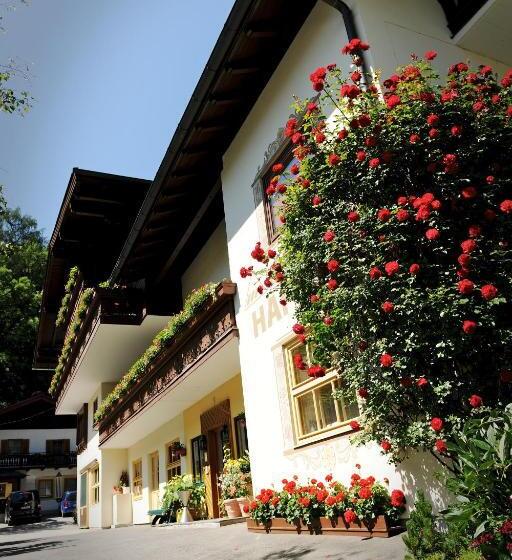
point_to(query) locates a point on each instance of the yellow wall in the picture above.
(231, 390)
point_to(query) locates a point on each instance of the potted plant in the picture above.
(179, 488)
(235, 485)
(124, 482)
(179, 448)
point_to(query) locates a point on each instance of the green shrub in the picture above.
(422, 540)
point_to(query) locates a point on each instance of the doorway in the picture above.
(84, 485)
(154, 480)
(216, 426)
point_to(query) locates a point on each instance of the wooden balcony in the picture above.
(111, 306)
(26, 461)
(206, 333)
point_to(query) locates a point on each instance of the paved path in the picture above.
(57, 539)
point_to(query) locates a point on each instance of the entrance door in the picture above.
(84, 485)
(216, 425)
(154, 481)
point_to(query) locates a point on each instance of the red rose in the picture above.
(350, 91)
(370, 141)
(364, 120)
(313, 298)
(402, 215)
(436, 424)
(386, 445)
(277, 168)
(432, 120)
(328, 477)
(387, 307)
(383, 215)
(441, 446)
(375, 273)
(362, 392)
(506, 206)
(391, 268)
(350, 516)
(354, 46)
(329, 236)
(316, 200)
(423, 213)
(328, 320)
(298, 328)
(464, 260)
(469, 192)
(360, 155)
(333, 265)
(271, 253)
(342, 134)
(402, 200)
(433, 133)
(374, 162)
(432, 234)
(386, 360)
(414, 268)
(465, 286)
(392, 101)
(244, 272)
(294, 169)
(456, 130)
(355, 76)
(353, 216)
(474, 231)
(316, 371)
(475, 401)
(436, 204)
(259, 289)
(333, 159)
(468, 246)
(422, 382)
(331, 284)
(478, 106)
(430, 55)
(488, 292)
(469, 327)
(354, 424)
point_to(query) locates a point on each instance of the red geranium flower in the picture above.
(333, 159)
(465, 286)
(350, 516)
(365, 493)
(362, 392)
(392, 101)
(333, 265)
(468, 246)
(386, 445)
(414, 268)
(430, 55)
(432, 234)
(331, 284)
(374, 162)
(375, 273)
(383, 215)
(397, 498)
(354, 424)
(298, 328)
(441, 446)
(387, 307)
(402, 215)
(506, 206)
(422, 382)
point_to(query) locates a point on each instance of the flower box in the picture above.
(326, 526)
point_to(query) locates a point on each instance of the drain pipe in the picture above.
(350, 27)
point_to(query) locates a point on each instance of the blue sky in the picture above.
(110, 78)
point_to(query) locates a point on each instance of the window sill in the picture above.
(344, 430)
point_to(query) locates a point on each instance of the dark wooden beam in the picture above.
(189, 231)
(247, 66)
(98, 200)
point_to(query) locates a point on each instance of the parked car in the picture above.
(22, 506)
(68, 503)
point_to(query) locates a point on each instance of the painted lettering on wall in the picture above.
(267, 314)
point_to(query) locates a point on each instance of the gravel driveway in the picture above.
(56, 539)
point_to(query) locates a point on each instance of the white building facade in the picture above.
(227, 378)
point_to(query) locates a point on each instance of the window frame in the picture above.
(137, 480)
(95, 485)
(172, 460)
(200, 441)
(52, 487)
(241, 436)
(63, 442)
(297, 389)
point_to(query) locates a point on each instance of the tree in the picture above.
(395, 245)
(22, 265)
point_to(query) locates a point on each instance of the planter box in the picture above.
(326, 526)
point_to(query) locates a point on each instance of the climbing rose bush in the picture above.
(395, 244)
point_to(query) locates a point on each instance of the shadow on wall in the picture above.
(420, 472)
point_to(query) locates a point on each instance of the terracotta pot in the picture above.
(232, 508)
(242, 502)
(117, 490)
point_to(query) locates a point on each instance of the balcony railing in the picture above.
(210, 329)
(27, 461)
(112, 306)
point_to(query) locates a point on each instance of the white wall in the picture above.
(38, 437)
(211, 263)
(395, 28)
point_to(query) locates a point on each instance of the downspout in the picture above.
(350, 27)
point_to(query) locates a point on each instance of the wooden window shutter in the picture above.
(5, 447)
(49, 446)
(25, 445)
(65, 446)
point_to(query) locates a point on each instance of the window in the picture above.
(69, 484)
(137, 478)
(45, 487)
(315, 411)
(242, 443)
(94, 409)
(14, 446)
(57, 446)
(274, 203)
(198, 445)
(173, 461)
(95, 485)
